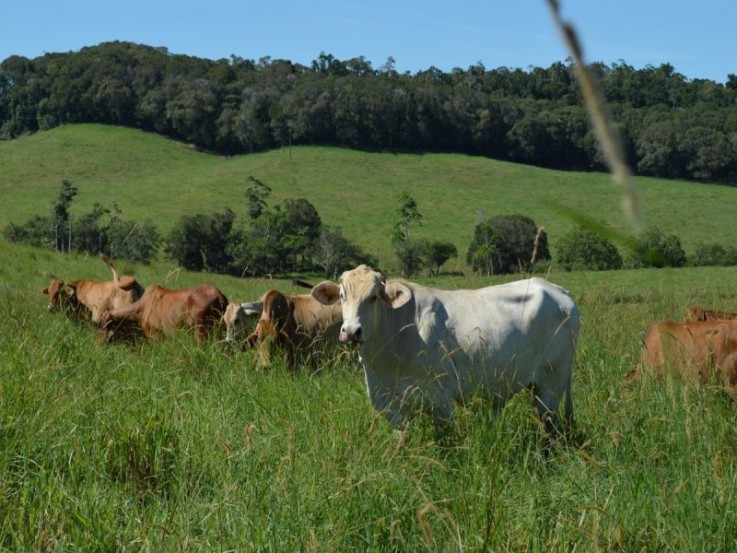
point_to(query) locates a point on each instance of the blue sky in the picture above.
(698, 38)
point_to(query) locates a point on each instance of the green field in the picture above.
(151, 177)
(171, 445)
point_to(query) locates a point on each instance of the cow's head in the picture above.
(238, 318)
(61, 296)
(364, 295)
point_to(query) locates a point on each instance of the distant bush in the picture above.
(133, 241)
(104, 230)
(101, 230)
(507, 244)
(655, 249)
(335, 253)
(584, 249)
(714, 255)
(437, 254)
(199, 242)
(37, 232)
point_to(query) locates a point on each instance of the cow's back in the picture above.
(703, 350)
(296, 323)
(498, 319)
(696, 313)
(99, 297)
(454, 343)
(314, 321)
(201, 307)
(161, 310)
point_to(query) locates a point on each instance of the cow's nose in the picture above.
(350, 334)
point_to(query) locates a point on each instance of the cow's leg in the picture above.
(250, 341)
(546, 404)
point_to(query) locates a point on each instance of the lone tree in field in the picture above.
(408, 251)
(61, 218)
(437, 254)
(507, 244)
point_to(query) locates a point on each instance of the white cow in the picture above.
(424, 348)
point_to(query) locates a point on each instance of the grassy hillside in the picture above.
(171, 445)
(151, 177)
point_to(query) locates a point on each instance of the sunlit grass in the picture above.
(172, 445)
(148, 176)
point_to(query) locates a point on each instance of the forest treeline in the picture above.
(671, 126)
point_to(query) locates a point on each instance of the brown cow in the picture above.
(162, 311)
(83, 298)
(696, 313)
(296, 323)
(705, 351)
(239, 318)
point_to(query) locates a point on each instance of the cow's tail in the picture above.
(109, 263)
(301, 283)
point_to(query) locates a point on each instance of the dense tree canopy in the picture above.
(671, 126)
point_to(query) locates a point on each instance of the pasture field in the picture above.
(171, 445)
(148, 176)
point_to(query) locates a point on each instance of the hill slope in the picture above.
(148, 176)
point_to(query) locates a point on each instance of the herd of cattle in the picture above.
(421, 348)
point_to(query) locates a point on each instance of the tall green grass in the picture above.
(151, 177)
(171, 445)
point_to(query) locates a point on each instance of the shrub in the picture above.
(197, 242)
(37, 232)
(507, 244)
(655, 249)
(437, 254)
(585, 249)
(136, 242)
(335, 253)
(714, 254)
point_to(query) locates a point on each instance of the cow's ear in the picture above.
(253, 309)
(327, 293)
(45, 290)
(397, 294)
(69, 290)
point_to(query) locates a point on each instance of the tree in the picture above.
(61, 217)
(300, 231)
(656, 249)
(483, 253)
(34, 232)
(136, 242)
(437, 254)
(409, 215)
(507, 244)
(256, 248)
(198, 242)
(584, 249)
(335, 253)
(256, 196)
(90, 236)
(408, 251)
(714, 254)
